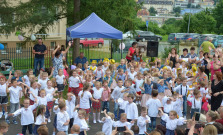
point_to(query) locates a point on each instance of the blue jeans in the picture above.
(39, 61)
(116, 110)
(185, 105)
(105, 105)
(152, 125)
(30, 128)
(193, 110)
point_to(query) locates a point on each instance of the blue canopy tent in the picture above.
(93, 27)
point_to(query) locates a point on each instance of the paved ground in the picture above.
(15, 129)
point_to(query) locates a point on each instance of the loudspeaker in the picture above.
(152, 49)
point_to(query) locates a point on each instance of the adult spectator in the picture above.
(185, 56)
(207, 46)
(43, 130)
(57, 59)
(173, 56)
(205, 64)
(39, 50)
(192, 55)
(81, 59)
(211, 117)
(216, 88)
(220, 110)
(199, 60)
(131, 51)
(210, 130)
(75, 130)
(214, 66)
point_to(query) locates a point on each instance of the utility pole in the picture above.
(188, 28)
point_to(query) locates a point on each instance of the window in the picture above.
(52, 45)
(18, 47)
(5, 48)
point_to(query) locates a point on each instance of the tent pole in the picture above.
(111, 49)
(121, 49)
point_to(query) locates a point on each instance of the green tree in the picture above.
(177, 9)
(177, 14)
(198, 6)
(218, 15)
(199, 23)
(152, 11)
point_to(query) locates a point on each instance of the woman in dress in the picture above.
(57, 59)
(131, 51)
(214, 66)
(216, 88)
(173, 56)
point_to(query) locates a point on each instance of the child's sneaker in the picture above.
(99, 121)
(94, 121)
(102, 111)
(1, 113)
(14, 122)
(49, 120)
(139, 102)
(7, 121)
(54, 133)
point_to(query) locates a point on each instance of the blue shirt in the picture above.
(109, 81)
(148, 88)
(166, 80)
(143, 69)
(82, 61)
(122, 67)
(120, 77)
(19, 80)
(161, 89)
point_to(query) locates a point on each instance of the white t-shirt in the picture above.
(141, 123)
(60, 79)
(27, 82)
(44, 100)
(35, 92)
(74, 82)
(84, 101)
(97, 93)
(107, 126)
(132, 75)
(3, 90)
(139, 84)
(153, 105)
(43, 83)
(14, 94)
(62, 117)
(49, 91)
(40, 119)
(99, 74)
(80, 122)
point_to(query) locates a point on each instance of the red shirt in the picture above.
(131, 53)
(220, 121)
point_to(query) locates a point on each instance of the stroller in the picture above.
(6, 65)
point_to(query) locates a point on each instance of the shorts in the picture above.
(3, 100)
(50, 104)
(75, 91)
(60, 87)
(96, 105)
(139, 93)
(87, 110)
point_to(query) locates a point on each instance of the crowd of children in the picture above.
(153, 89)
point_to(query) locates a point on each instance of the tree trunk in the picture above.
(76, 41)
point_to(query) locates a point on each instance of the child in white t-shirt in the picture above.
(79, 119)
(3, 95)
(27, 117)
(123, 122)
(84, 97)
(122, 102)
(107, 121)
(63, 118)
(99, 73)
(14, 91)
(74, 81)
(131, 109)
(43, 80)
(40, 119)
(139, 83)
(153, 104)
(97, 92)
(60, 79)
(26, 77)
(143, 120)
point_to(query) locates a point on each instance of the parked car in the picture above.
(91, 42)
(219, 41)
(191, 36)
(147, 35)
(130, 34)
(175, 37)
